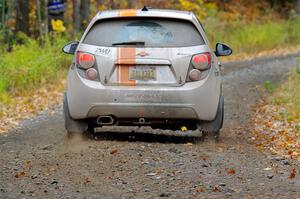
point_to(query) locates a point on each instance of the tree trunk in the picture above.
(2, 6)
(22, 22)
(297, 6)
(46, 17)
(39, 17)
(85, 12)
(76, 15)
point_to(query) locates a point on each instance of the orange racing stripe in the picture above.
(128, 13)
(123, 65)
(125, 56)
(117, 67)
(127, 53)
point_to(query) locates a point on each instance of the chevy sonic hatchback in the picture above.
(144, 68)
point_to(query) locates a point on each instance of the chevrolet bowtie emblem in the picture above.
(143, 54)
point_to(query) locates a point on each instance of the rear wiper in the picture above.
(129, 43)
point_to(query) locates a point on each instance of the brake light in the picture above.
(198, 69)
(202, 61)
(85, 60)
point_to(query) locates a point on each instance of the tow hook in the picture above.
(142, 120)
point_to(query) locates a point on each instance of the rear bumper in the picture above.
(195, 100)
(143, 111)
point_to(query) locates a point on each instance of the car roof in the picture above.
(149, 13)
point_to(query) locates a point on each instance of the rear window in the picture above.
(155, 32)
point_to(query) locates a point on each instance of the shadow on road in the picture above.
(146, 137)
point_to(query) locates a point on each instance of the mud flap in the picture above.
(73, 126)
(215, 125)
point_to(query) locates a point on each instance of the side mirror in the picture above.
(223, 50)
(70, 48)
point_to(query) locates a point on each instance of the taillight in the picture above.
(195, 75)
(202, 61)
(85, 60)
(91, 74)
(200, 64)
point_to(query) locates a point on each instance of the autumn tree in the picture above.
(3, 13)
(76, 15)
(284, 5)
(22, 20)
(297, 6)
(85, 12)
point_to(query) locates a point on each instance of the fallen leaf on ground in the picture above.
(216, 189)
(274, 132)
(183, 129)
(249, 196)
(44, 99)
(114, 151)
(200, 190)
(87, 180)
(293, 174)
(20, 174)
(231, 171)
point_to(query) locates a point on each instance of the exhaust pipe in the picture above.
(105, 120)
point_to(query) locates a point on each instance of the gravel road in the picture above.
(38, 161)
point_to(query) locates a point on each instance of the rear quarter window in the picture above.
(155, 32)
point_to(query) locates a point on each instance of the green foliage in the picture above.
(298, 69)
(198, 7)
(270, 88)
(253, 37)
(29, 66)
(298, 128)
(288, 96)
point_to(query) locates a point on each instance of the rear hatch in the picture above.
(143, 51)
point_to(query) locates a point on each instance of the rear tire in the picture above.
(213, 127)
(73, 126)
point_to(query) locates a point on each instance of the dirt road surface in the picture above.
(38, 161)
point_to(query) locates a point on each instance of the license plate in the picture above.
(142, 73)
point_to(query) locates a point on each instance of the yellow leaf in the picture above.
(58, 25)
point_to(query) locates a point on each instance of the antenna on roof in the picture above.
(145, 8)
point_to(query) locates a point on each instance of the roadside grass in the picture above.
(269, 87)
(277, 120)
(31, 79)
(254, 37)
(288, 97)
(29, 66)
